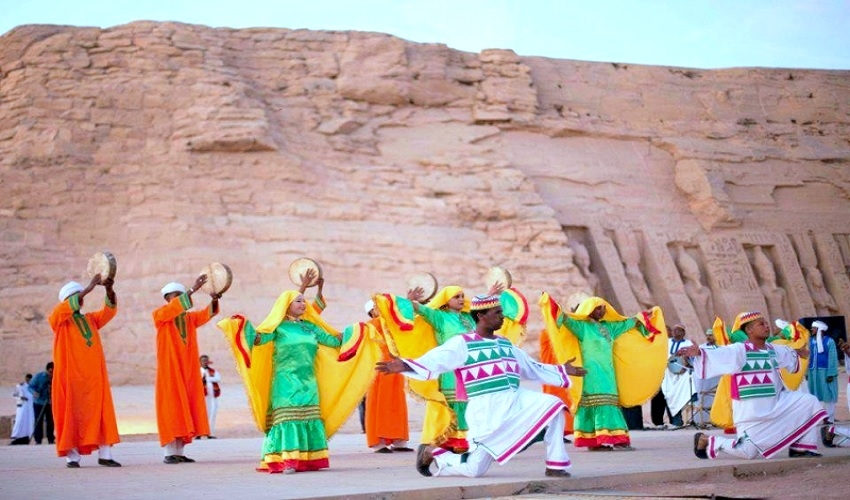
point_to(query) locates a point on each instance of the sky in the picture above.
(688, 33)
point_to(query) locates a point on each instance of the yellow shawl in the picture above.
(639, 361)
(342, 385)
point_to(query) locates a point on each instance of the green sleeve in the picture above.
(574, 325)
(434, 317)
(326, 338)
(250, 333)
(617, 328)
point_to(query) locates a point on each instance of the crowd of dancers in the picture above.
(461, 356)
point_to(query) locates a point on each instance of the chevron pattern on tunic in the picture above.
(756, 378)
(490, 366)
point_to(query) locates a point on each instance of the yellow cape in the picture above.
(413, 337)
(795, 336)
(639, 361)
(342, 385)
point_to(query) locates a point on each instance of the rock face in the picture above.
(705, 192)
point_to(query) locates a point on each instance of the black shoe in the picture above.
(424, 457)
(827, 437)
(184, 459)
(402, 448)
(171, 459)
(72, 465)
(108, 463)
(211, 437)
(556, 473)
(383, 450)
(700, 453)
(803, 454)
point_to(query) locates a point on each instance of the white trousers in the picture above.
(174, 448)
(842, 435)
(104, 452)
(745, 448)
(478, 461)
(212, 408)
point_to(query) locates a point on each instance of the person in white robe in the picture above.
(677, 388)
(24, 413)
(768, 417)
(211, 379)
(705, 388)
(503, 418)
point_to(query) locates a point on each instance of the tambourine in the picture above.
(425, 281)
(676, 365)
(299, 267)
(497, 275)
(219, 278)
(104, 264)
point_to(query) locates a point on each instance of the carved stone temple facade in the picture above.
(173, 146)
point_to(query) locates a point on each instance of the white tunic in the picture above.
(677, 389)
(24, 413)
(502, 422)
(777, 417)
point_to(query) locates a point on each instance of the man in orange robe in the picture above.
(386, 407)
(82, 398)
(181, 412)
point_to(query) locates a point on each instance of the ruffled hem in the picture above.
(298, 465)
(296, 436)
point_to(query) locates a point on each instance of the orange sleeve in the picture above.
(199, 318)
(103, 316)
(62, 313)
(174, 308)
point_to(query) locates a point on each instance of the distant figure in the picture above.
(823, 368)
(211, 379)
(42, 408)
(24, 414)
(676, 388)
(705, 388)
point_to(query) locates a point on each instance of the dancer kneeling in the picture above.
(767, 416)
(503, 418)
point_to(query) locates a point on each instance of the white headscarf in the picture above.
(172, 287)
(820, 326)
(70, 288)
(368, 306)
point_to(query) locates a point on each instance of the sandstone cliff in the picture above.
(175, 145)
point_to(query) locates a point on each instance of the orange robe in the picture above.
(82, 398)
(547, 355)
(181, 411)
(386, 404)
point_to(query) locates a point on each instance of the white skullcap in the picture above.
(368, 306)
(819, 325)
(172, 287)
(780, 323)
(69, 289)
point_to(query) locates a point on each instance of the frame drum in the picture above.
(299, 267)
(426, 281)
(104, 264)
(497, 275)
(675, 365)
(219, 278)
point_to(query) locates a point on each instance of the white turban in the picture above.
(780, 323)
(368, 306)
(820, 326)
(69, 289)
(172, 287)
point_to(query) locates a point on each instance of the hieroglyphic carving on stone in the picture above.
(774, 294)
(784, 258)
(823, 301)
(605, 253)
(698, 293)
(581, 258)
(729, 274)
(831, 263)
(630, 256)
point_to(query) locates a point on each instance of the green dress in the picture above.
(599, 420)
(448, 324)
(296, 437)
